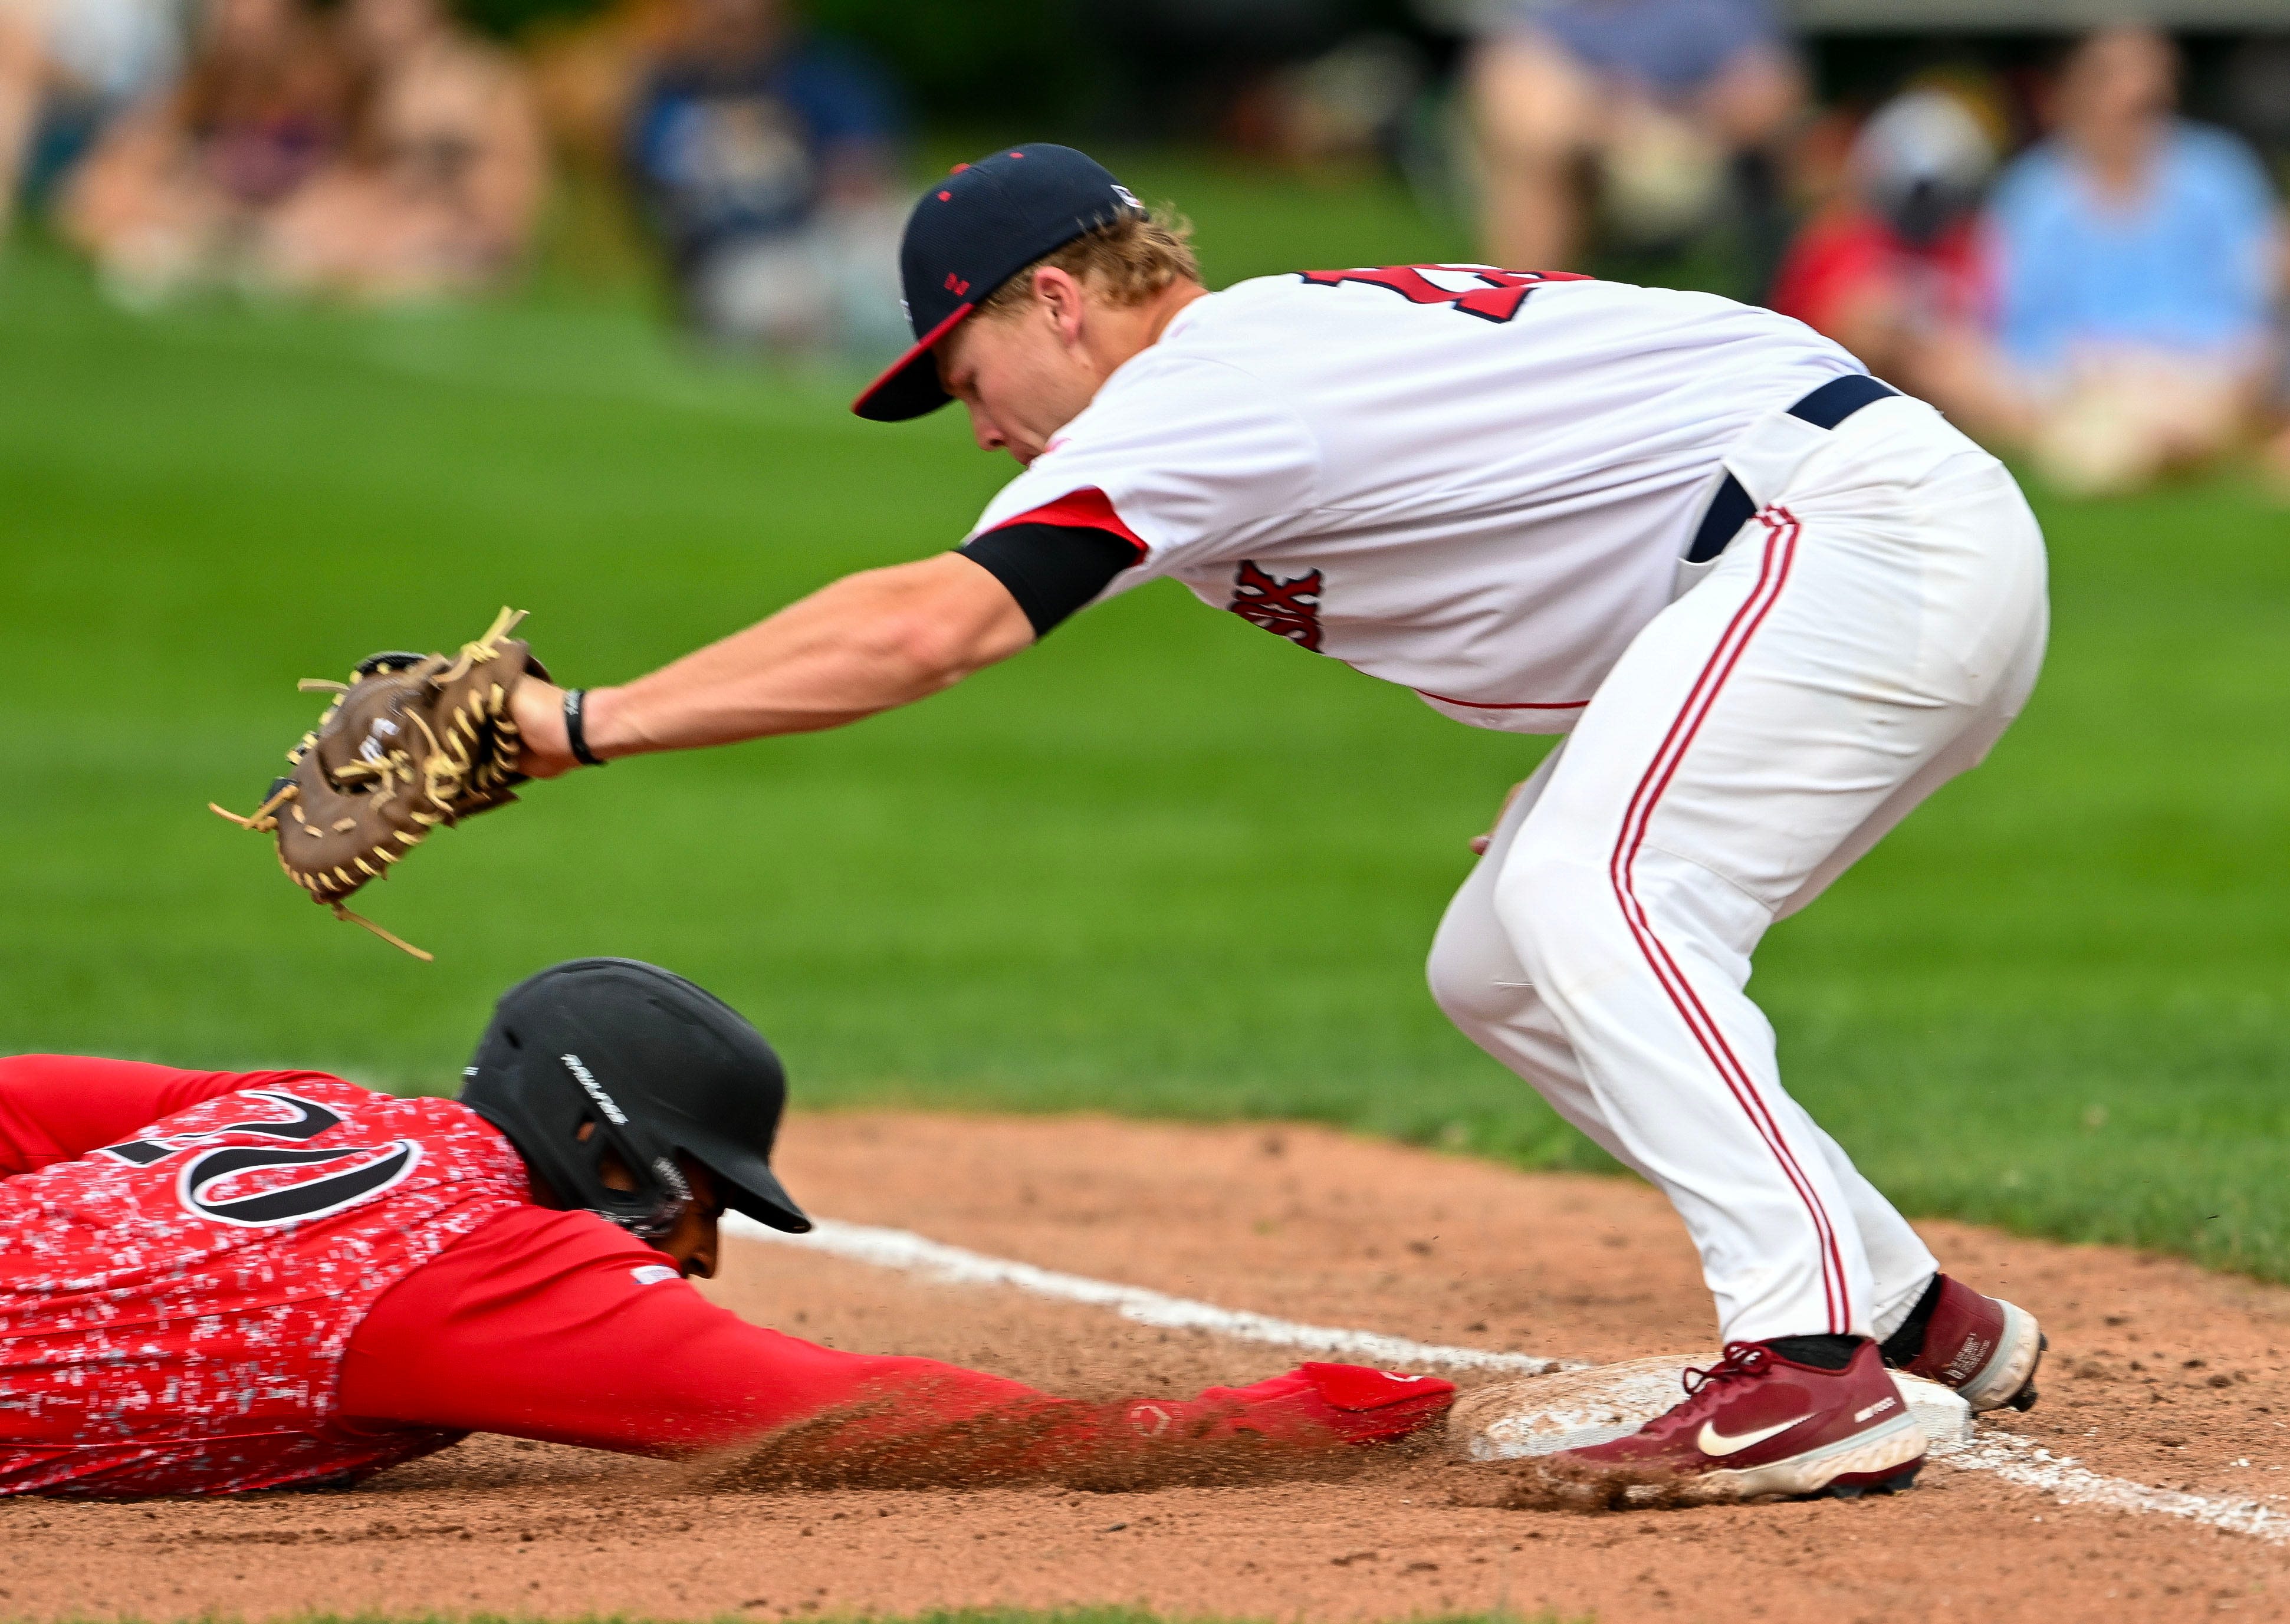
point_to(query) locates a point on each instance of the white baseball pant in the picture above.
(1867, 636)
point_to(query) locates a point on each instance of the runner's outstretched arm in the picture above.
(546, 1324)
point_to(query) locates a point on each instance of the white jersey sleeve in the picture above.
(1187, 459)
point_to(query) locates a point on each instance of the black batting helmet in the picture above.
(657, 1066)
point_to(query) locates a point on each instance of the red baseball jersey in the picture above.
(174, 1304)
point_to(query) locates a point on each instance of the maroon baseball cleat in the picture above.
(1757, 1423)
(1984, 1347)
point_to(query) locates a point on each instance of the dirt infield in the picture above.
(2158, 1375)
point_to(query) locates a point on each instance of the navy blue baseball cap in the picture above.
(973, 232)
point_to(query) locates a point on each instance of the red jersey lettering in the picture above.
(1289, 608)
(1491, 295)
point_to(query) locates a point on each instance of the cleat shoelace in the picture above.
(1737, 1361)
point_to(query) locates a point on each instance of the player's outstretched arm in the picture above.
(868, 642)
(547, 1324)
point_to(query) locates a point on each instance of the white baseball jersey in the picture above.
(1476, 484)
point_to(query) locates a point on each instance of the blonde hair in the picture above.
(1129, 261)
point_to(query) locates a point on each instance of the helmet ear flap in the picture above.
(659, 1191)
(565, 1136)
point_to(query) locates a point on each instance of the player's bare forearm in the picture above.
(868, 642)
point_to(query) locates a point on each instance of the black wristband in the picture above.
(575, 733)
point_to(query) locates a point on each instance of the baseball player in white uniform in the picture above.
(1772, 604)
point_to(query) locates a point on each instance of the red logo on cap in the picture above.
(946, 196)
(956, 285)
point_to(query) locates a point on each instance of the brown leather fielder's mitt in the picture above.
(411, 743)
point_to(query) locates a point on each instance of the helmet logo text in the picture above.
(613, 1113)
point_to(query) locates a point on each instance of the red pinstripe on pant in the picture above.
(1782, 537)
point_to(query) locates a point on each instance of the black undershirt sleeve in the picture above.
(1052, 570)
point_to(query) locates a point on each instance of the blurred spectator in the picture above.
(445, 171)
(1349, 104)
(1671, 105)
(176, 190)
(588, 71)
(2138, 257)
(768, 163)
(66, 69)
(1893, 269)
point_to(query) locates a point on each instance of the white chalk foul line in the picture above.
(2026, 1463)
(2013, 1459)
(904, 1249)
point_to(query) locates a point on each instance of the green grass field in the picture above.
(1164, 864)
